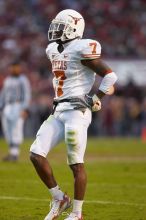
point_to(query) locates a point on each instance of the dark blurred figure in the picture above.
(14, 103)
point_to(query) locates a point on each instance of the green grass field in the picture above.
(116, 188)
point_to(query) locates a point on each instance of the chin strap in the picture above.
(60, 43)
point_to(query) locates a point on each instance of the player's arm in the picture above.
(109, 79)
(103, 70)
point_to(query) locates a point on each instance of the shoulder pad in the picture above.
(49, 47)
(89, 49)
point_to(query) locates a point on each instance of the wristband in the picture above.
(107, 82)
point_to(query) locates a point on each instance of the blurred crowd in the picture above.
(123, 114)
(120, 27)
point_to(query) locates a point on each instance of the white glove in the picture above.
(94, 102)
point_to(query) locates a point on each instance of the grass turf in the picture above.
(116, 188)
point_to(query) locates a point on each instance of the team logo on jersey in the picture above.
(59, 65)
(75, 19)
(65, 56)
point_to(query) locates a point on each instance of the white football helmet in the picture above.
(67, 25)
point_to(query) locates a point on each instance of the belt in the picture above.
(78, 102)
(55, 103)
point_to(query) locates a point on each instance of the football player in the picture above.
(14, 102)
(75, 62)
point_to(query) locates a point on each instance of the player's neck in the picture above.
(60, 48)
(61, 44)
(15, 75)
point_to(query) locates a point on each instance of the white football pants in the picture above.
(71, 125)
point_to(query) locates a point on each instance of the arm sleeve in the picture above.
(90, 49)
(108, 81)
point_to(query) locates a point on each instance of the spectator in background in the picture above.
(120, 26)
(14, 101)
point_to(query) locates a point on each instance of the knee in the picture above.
(35, 158)
(78, 170)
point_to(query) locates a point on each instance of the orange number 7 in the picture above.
(93, 45)
(60, 74)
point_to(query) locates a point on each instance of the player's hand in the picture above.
(93, 102)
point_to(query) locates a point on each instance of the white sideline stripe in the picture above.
(115, 203)
(113, 185)
(22, 198)
(86, 201)
(107, 185)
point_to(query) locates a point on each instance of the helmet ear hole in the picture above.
(74, 30)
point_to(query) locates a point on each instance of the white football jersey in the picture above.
(71, 78)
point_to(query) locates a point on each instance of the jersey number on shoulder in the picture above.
(60, 74)
(93, 46)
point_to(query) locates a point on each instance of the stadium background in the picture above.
(115, 165)
(120, 27)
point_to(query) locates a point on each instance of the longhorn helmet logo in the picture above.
(75, 19)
